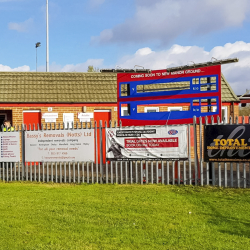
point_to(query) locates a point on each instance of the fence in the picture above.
(193, 171)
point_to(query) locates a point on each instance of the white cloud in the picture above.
(82, 67)
(237, 74)
(19, 69)
(21, 27)
(164, 20)
(144, 51)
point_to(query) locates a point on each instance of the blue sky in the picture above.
(108, 33)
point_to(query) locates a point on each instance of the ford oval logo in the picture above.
(172, 132)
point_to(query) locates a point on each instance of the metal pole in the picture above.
(47, 35)
(101, 147)
(38, 44)
(195, 152)
(36, 59)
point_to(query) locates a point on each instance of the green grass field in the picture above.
(50, 216)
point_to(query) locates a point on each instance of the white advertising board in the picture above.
(85, 117)
(50, 120)
(68, 119)
(50, 115)
(166, 142)
(10, 146)
(59, 145)
(84, 120)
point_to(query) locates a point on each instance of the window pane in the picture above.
(125, 113)
(125, 90)
(158, 87)
(151, 110)
(223, 113)
(175, 109)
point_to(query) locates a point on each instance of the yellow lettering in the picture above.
(243, 142)
(236, 142)
(230, 142)
(223, 142)
(217, 141)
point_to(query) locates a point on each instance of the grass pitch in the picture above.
(53, 216)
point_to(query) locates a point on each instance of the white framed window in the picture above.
(124, 111)
(174, 109)
(151, 109)
(214, 109)
(223, 112)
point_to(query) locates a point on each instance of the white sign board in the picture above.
(10, 146)
(50, 120)
(85, 117)
(166, 142)
(59, 145)
(68, 119)
(50, 115)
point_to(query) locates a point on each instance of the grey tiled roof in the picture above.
(227, 93)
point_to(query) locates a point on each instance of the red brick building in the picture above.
(36, 98)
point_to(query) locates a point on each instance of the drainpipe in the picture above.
(233, 111)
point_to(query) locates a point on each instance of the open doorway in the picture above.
(5, 115)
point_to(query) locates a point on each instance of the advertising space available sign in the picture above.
(50, 117)
(227, 143)
(139, 143)
(10, 146)
(59, 145)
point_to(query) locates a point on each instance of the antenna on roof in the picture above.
(247, 92)
(120, 70)
(205, 64)
(138, 66)
(214, 59)
(191, 62)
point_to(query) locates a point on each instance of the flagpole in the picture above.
(47, 35)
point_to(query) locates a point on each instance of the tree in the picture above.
(92, 69)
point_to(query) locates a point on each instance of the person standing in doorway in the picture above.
(7, 126)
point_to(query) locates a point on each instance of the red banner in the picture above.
(152, 143)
